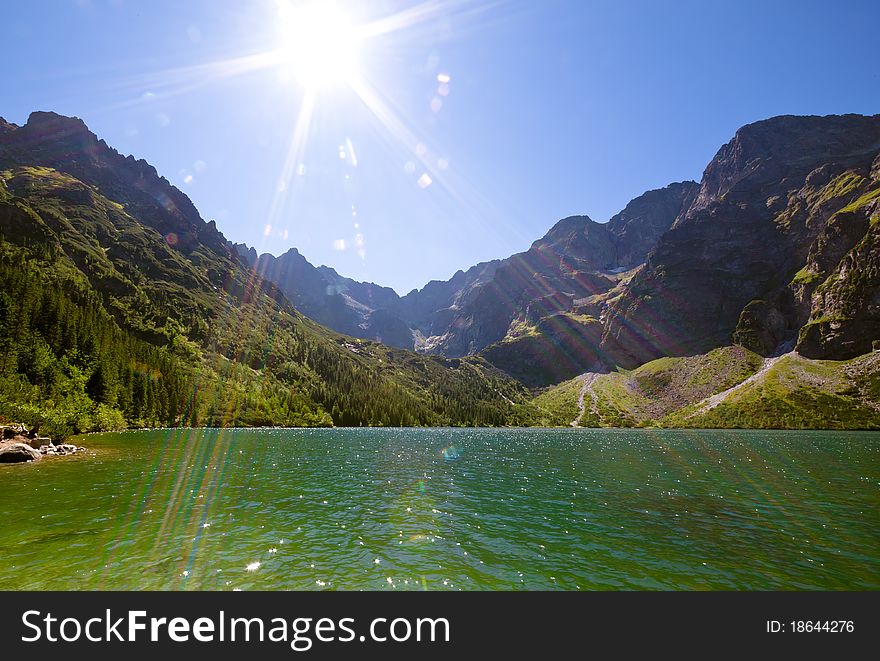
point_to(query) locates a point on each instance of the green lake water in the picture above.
(444, 509)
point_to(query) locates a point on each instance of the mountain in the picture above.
(545, 322)
(776, 247)
(530, 312)
(760, 307)
(431, 309)
(121, 306)
(578, 258)
(749, 299)
(364, 309)
(354, 308)
(779, 247)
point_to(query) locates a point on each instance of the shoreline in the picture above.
(452, 428)
(20, 445)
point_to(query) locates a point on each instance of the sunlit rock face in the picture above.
(734, 265)
(844, 319)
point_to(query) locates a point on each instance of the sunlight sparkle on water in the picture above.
(645, 518)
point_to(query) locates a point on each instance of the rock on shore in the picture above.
(20, 444)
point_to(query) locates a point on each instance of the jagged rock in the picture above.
(846, 308)
(17, 452)
(844, 277)
(16, 436)
(764, 325)
(66, 144)
(30, 440)
(742, 256)
(10, 431)
(761, 327)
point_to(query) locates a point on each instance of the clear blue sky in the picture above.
(552, 108)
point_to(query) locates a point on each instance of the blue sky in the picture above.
(551, 109)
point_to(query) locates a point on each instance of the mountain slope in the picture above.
(150, 317)
(778, 245)
(578, 258)
(487, 304)
(731, 265)
(727, 387)
(359, 309)
(751, 299)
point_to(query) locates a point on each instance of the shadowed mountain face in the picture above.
(355, 308)
(364, 309)
(575, 262)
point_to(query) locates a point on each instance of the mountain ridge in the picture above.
(129, 308)
(752, 254)
(444, 317)
(121, 306)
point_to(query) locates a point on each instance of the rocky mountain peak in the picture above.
(786, 148)
(67, 145)
(69, 136)
(248, 254)
(565, 228)
(640, 224)
(46, 119)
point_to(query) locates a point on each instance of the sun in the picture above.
(318, 43)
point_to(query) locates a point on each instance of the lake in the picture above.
(447, 509)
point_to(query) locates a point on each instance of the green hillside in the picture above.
(725, 388)
(106, 322)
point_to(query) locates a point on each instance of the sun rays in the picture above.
(321, 57)
(318, 42)
(327, 64)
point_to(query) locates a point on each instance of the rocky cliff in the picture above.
(731, 267)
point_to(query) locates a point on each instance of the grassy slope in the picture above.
(794, 393)
(798, 393)
(557, 406)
